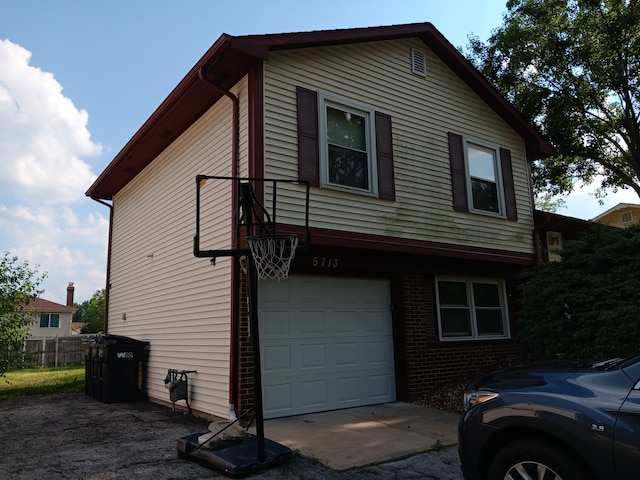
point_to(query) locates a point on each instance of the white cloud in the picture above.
(43, 135)
(45, 218)
(67, 247)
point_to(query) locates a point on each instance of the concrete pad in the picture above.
(355, 437)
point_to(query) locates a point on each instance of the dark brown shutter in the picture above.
(308, 146)
(458, 173)
(507, 183)
(384, 152)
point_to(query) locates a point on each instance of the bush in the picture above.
(587, 305)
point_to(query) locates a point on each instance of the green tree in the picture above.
(572, 67)
(91, 312)
(19, 285)
(587, 305)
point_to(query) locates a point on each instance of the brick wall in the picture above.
(428, 361)
(245, 362)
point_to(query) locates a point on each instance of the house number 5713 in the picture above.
(325, 262)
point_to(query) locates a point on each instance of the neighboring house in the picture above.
(52, 318)
(621, 216)
(415, 257)
(553, 230)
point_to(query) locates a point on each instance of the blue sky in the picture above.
(78, 78)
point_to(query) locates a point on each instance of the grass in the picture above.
(41, 381)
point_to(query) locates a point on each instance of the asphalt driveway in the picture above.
(77, 437)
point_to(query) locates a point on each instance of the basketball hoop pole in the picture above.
(252, 291)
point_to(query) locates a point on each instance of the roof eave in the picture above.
(230, 58)
(188, 101)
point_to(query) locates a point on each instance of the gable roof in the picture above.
(230, 58)
(619, 206)
(41, 305)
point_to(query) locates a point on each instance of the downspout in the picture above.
(105, 321)
(234, 360)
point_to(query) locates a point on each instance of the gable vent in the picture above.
(419, 62)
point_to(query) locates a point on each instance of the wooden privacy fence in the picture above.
(55, 351)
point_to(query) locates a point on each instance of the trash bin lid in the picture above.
(109, 339)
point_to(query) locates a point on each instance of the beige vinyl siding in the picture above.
(378, 75)
(179, 303)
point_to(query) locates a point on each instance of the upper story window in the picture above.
(484, 178)
(49, 320)
(471, 308)
(481, 178)
(344, 145)
(347, 155)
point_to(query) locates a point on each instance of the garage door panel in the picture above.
(276, 323)
(313, 357)
(315, 393)
(279, 398)
(346, 354)
(379, 385)
(337, 341)
(377, 353)
(310, 323)
(277, 359)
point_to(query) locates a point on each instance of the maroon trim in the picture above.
(458, 173)
(107, 290)
(382, 243)
(508, 184)
(308, 136)
(384, 156)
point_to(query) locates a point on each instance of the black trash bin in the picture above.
(114, 368)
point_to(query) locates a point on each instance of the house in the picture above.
(622, 215)
(52, 319)
(421, 220)
(553, 230)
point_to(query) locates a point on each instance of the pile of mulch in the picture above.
(448, 396)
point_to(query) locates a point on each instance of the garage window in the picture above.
(471, 308)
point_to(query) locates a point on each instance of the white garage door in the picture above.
(326, 344)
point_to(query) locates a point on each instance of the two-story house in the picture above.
(622, 215)
(52, 319)
(421, 220)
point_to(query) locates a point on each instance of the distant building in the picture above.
(622, 215)
(52, 318)
(552, 230)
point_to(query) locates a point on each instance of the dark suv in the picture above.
(553, 421)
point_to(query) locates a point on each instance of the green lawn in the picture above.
(42, 381)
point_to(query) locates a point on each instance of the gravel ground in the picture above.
(76, 437)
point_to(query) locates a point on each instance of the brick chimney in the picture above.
(70, 290)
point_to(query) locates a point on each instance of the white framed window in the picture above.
(484, 180)
(50, 320)
(471, 308)
(347, 146)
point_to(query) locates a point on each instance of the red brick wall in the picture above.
(428, 361)
(245, 375)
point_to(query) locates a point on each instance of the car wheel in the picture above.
(535, 460)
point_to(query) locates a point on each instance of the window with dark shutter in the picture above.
(308, 142)
(508, 185)
(384, 151)
(481, 177)
(335, 145)
(458, 173)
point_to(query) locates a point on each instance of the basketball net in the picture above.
(272, 255)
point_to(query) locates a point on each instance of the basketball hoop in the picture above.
(272, 254)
